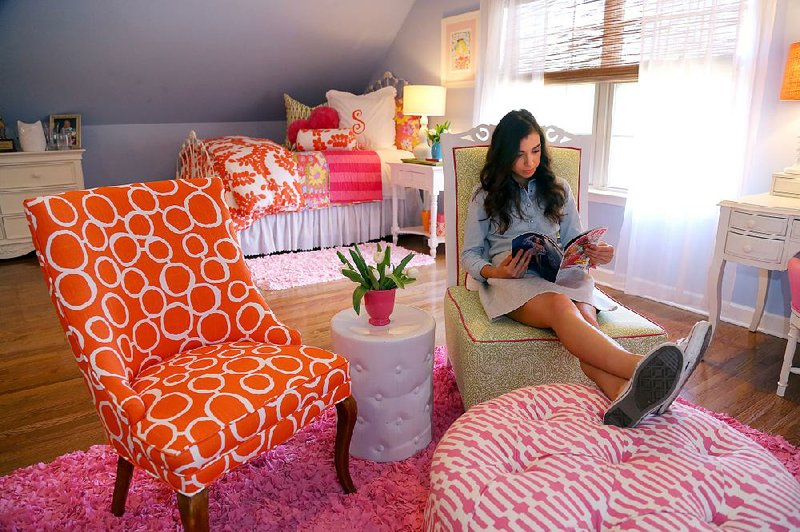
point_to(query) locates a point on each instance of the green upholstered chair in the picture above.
(492, 358)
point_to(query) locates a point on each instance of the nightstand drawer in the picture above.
(758, 223)
(754, 248)
(412, 178)
(16, 227)
(11, 202)
(38, 175)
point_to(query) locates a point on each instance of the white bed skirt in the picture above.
(336, 225)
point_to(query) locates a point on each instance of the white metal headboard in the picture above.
(194, 161)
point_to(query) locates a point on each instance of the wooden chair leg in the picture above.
(194, 511)
(346, 413)
(121, 485)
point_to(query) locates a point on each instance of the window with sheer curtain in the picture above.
(588, 53)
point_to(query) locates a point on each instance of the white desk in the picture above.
(762, 231)
(423, 177)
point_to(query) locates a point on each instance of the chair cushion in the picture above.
(619, 323)
(539, 458)
(206, 401)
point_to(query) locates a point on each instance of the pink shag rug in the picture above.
(292, 487)
(286, 270)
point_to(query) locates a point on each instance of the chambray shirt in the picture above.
(482, 244)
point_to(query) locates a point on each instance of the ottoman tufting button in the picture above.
(380, 448)
(416, 440)
(398, 370)
(378, 397)
(360, 420)
(416, 390)
(359, 368)
(399, 421)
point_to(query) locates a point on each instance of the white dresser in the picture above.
(26, 175)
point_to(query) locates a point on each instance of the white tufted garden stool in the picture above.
(539, 458)
(391, 372)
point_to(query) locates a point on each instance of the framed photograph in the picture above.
(460, 49)
(69, 125)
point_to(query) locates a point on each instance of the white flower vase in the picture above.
(31, 136)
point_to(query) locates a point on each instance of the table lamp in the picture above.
(425, 101)
(790, 90)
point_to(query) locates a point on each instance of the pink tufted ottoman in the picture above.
(539, 458)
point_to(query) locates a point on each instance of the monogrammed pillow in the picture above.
(370, 116)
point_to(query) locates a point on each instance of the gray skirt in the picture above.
(501, 296)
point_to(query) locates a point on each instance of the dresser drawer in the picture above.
(754, 248)
(16, 227)
(758, 223)
(11, 202)
(38, 175)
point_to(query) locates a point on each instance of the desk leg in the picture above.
(395, 227)
(715, 290)
(433, 240)
(761, 298)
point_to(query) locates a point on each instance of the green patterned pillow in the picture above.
(296, 111)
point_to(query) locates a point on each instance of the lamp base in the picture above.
(794, 169)
(422, 151)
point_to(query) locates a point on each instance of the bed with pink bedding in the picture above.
(282, 200)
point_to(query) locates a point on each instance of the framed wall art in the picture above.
(460, 44)
(68, 125)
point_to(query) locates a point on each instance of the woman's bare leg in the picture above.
(603, 360)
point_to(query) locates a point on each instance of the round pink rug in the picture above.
(286, 270)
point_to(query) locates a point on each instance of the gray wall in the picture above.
(141, 74)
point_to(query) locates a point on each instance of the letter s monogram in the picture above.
(359, 126)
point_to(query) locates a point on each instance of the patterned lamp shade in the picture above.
(790, 89)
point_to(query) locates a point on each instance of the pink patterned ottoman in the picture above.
(539, 458)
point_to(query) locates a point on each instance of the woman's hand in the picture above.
(600, 253)
(511, 267)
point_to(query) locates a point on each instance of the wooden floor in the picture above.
(45, 409)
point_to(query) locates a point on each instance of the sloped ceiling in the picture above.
(179, 61)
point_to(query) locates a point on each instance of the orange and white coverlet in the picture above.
(190, 371)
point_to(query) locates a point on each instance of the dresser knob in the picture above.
(747, 248)
(36, 176)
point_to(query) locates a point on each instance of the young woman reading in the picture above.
(519, 193)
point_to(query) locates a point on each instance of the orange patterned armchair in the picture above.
(190, 371)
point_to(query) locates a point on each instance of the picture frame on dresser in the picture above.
(70, 124)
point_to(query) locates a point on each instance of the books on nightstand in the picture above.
(426, 162)
(785, 184)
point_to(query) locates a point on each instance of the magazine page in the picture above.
(574, 255)
(546, 254)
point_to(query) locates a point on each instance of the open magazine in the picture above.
(549, 259)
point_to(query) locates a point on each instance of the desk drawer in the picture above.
(410, 178)
(758, 223)
(37, 175)
(754, 248)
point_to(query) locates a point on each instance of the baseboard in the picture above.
(741, 315)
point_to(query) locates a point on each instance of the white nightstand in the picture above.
(423, 177)
(26, 175)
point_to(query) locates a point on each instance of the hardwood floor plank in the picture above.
(45, 409)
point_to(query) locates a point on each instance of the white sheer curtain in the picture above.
(515, 33)
(693, 137)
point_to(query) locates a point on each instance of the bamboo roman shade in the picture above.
(601, 40)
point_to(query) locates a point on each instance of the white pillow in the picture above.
(370, 116)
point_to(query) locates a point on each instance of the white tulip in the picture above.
(412, 272)
(379, 256)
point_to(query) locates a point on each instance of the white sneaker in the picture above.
(694, 347)
(654, 381)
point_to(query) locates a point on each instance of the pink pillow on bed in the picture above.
(260, 177)
(325, 139)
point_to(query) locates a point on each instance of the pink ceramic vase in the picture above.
(379, 305)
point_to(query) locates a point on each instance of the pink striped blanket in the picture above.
(355, 176)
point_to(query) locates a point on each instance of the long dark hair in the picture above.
(496, 176)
